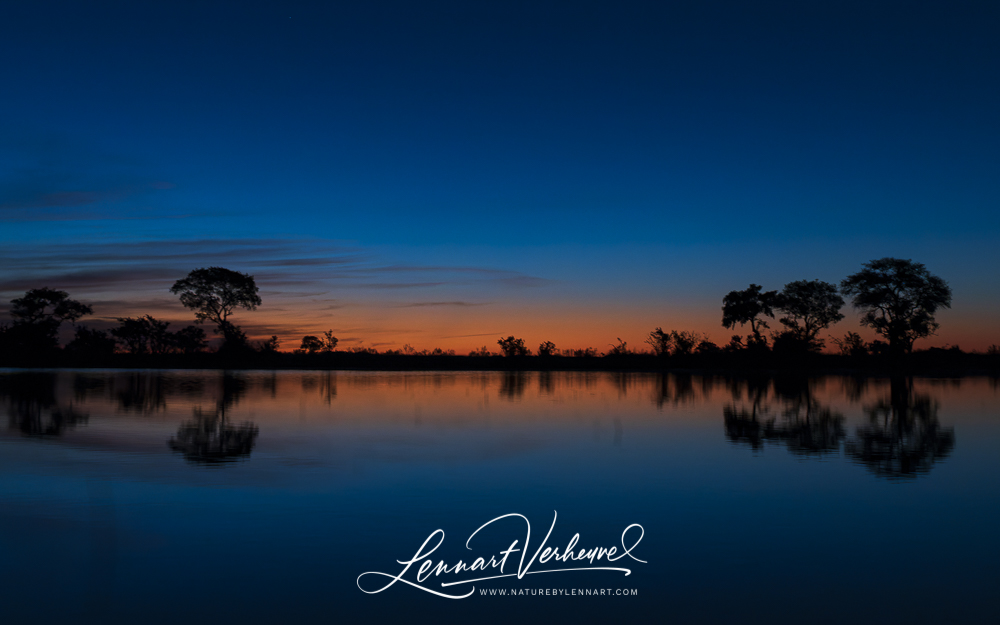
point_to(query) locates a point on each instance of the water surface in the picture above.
(260, 497)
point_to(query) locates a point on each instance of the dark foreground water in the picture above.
(259, 497)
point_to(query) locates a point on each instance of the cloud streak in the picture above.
(295, 275)
(459, 304)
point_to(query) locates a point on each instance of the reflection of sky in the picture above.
(351, 480)
(568, 176)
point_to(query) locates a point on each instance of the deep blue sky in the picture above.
(630, 162)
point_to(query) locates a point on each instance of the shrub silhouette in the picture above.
(311, 344)
(512, 347)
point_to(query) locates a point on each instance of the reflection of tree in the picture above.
(512, 384)
(855, 387)
(87, 386)
(673, 388)
(746, 425)
(142, 393)
(807, 428)
(32, 407)
(270, 384)
(622, 380)
(903, 437)
(326, 383)
(804, 426)
(209, 438)
(328, 387)
(546, 386)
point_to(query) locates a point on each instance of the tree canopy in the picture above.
(511, 346)
(750, 305)
(898, 299)
(214, 293)
(311, 344)
(38, 315)
(809, 306)
(47, 305)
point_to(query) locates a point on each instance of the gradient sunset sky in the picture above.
(441, 174)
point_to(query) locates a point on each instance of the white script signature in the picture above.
(569, 556)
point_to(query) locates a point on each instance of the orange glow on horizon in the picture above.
(568, 326)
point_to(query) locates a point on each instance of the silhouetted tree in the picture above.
(809, 306)
(37, 317)
(660, 341)
(511, 346)
(621, 349)
(89, 343)
(898, 299)
(735, 344)
(749, 306)
(190, 340)
(131, 335)
(852, 345)
(234, 340)
(684, 342)
(707, 347)
(329, 341)
(548, 348)
(270, 346)
(144, 335)
(311, 344)
(214, 293)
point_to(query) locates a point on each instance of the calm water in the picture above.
(259, 497)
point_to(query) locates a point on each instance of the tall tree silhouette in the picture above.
(214, 293)
(750, 305)
(898, 299)
(809, 306)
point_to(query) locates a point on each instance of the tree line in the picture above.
(896, 298)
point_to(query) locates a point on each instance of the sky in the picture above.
(441, 174)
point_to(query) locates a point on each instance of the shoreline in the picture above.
(932, 363)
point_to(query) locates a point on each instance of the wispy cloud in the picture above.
(524, 281)
(397, 285)
(460, 304)
(52, 178)
(51, 199)
(301, 270)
